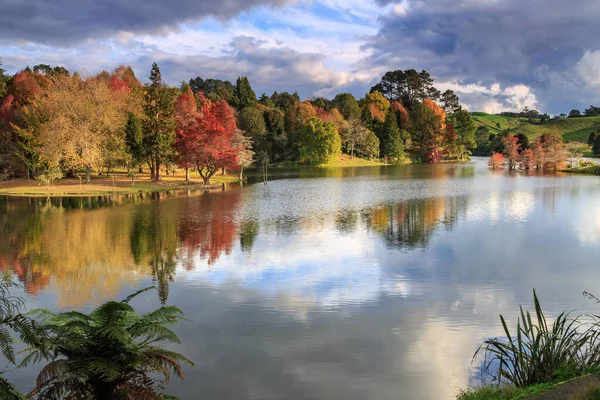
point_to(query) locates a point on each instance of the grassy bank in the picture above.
(342, 161)
(591, 170)
(346, 161)
(117, 183)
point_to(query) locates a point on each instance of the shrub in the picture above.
(537, 352)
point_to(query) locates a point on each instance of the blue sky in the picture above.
(496, 54)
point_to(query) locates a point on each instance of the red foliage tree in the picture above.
(186, 113)
(208, 143)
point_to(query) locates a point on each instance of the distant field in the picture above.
(571, 129)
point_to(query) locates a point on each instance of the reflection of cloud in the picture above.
(586, 224)
(317, 266)
(518, 205)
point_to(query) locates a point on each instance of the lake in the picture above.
(374, 282)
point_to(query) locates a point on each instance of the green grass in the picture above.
(571, 129)
(493, 392)
(345, 161)
(491, 121)
(593, 170)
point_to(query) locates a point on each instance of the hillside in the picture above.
(571, 129)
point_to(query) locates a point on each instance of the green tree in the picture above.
(159, 124)
(134, 139)
(318, 142)
(574, 114)
(407, 87)
(596, 145)
(522, 141)
(450, 101)
(347, 106)
(465, 127)
(252, 122)
(3, 81)
(107, 354)
(390, 138)
(266, 101)
(276, 142)
(244, 95)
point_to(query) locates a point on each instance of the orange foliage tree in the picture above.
(511, 151)
(496, 160)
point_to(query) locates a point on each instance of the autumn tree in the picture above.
(554, 149)
(298, 116)
(214, 140)
(245, 154)
(356, 137)
(75, 122)
(511, 151)
(428, 130)
(185, 114)
(378, 101)
(318, 142)
(158, 124)
(496, 160)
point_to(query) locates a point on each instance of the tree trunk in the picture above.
(157, 177)
(187, 174)
(88, 178)
(241, 173)
(352, 152)
(223, 171)
(140, 170)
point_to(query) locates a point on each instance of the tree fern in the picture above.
(108, 354)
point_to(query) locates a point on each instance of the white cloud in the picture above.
(588, 67)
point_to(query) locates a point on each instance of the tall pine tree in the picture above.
(159, 124)
(245, 96)
(390, 137)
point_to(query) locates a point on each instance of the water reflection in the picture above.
(377, 285)
(86, 251)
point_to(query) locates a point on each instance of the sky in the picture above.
(495, 54)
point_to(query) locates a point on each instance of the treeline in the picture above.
(534, 116)
(54, 123)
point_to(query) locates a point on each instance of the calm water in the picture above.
(329, 284)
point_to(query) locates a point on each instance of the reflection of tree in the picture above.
(78, 251)
(346, 221)
(153, 241)
(207, 225)
(248, 233)
(411, 224)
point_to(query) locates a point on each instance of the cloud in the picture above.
(509, 42)
(588, 68)
(64, 22)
